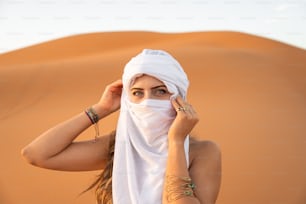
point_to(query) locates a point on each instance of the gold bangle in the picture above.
(179, 187)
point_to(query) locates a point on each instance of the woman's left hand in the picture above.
(184, 122)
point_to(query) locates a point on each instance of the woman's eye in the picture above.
(161, 91)
(137, 93)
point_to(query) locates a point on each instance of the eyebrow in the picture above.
(155, 87)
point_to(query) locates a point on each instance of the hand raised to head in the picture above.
(110, 99)
(184, 122)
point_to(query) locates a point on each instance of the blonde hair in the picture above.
(103, 183)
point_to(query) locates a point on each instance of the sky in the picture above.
(29, 22)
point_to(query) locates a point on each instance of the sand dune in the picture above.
(250, 93)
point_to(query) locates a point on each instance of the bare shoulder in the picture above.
(205, 169)
(203, 148)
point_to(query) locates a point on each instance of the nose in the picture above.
(147, 95)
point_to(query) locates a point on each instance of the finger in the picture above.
(116, 86)
(183, 104)
(175, 104)
(192, 111)
(180, 100)
(186, 107)
(178, 107)
(117, 83)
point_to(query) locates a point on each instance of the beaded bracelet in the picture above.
(92, 115)
(94, 118)
(179, 187)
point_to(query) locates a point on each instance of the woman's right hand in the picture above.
(110, 100)
(56, 148)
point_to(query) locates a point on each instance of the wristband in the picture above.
(94, 118)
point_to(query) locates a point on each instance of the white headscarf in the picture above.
(141, 146)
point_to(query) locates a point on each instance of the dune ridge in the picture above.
(92, 43)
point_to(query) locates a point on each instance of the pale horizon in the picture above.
(27, 23)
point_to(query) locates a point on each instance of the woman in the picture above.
(150, 158)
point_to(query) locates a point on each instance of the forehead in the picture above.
(146, 80)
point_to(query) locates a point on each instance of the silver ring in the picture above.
(182, 109)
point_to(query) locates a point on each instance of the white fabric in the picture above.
(141, 140)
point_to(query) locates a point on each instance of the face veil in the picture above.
(141, 138)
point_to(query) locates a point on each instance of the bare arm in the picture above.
(205, 173)
(56, 148)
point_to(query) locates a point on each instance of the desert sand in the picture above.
(249, 91)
